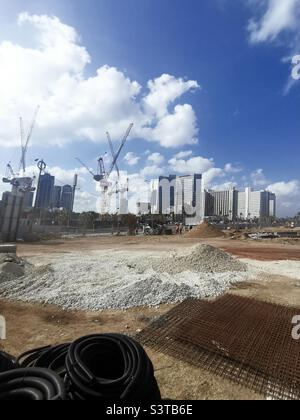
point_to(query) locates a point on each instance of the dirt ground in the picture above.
(30, 325)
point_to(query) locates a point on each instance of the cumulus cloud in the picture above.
(183, 154)
(231, 169)
(163, 91)
(204, 166)
(286, 189)
(177, 128)
(197, 164)
(156, 158)
(258, 178)
(51, 73)
(152, 171)
(288, 196)
(210, 175)
(131, 159)
(224, 186)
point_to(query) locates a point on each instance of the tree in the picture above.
(87, 219)
(130, 220)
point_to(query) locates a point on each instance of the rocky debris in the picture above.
(105, 280)
(11, 267)
(202, 259)
(15, 270)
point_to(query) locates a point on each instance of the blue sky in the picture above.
(227, 105)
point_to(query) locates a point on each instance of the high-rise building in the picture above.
(28, 199)
(181, 195)
(44, 193)
(143, 208)
(166, 194)
(154, 197)
(234, 204)
(66, 201)
(256, 204)
(56, 200)
(188, 195)
(221, 203)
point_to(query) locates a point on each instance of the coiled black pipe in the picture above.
(31, 384)
(110, 367)
(7, 362)
(52, 358)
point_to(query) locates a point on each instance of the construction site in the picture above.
(214, 309)
(148, 272)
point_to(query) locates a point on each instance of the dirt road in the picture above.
(265, 251)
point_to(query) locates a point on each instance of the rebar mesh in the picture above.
(243, 340)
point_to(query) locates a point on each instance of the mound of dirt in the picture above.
(205, 230)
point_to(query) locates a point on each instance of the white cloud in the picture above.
(279, 16)
(288, 197)
(196, 164)
(231, 169)
(164, 91)
(258, 178)
(225, 186)
(178, 128)
(286, 189)
(183, 155)
(74, 107)
(152, 171)
(156, 158)
(204, 166)
(131, 159)
(210, 175)
(85, 201)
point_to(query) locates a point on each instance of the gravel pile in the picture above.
(116, 281)
(203, 259)
(11, 267)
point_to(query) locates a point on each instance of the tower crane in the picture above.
(119, 190)
(25, 184)
(102, 175)
(25, 141)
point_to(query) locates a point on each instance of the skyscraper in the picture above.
(256, 204)
(66, 201)
(44, 193)
(221, 203)
(56, 200)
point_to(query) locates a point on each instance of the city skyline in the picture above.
(228, 112)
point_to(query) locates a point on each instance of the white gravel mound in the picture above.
(202, 259)
(117, 280)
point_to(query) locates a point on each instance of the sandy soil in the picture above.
(260, 250)
(32, 326)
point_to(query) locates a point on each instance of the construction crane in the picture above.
(25, 141)
(13, 178)
(102, 176)
(117, 155)
(119, 190)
